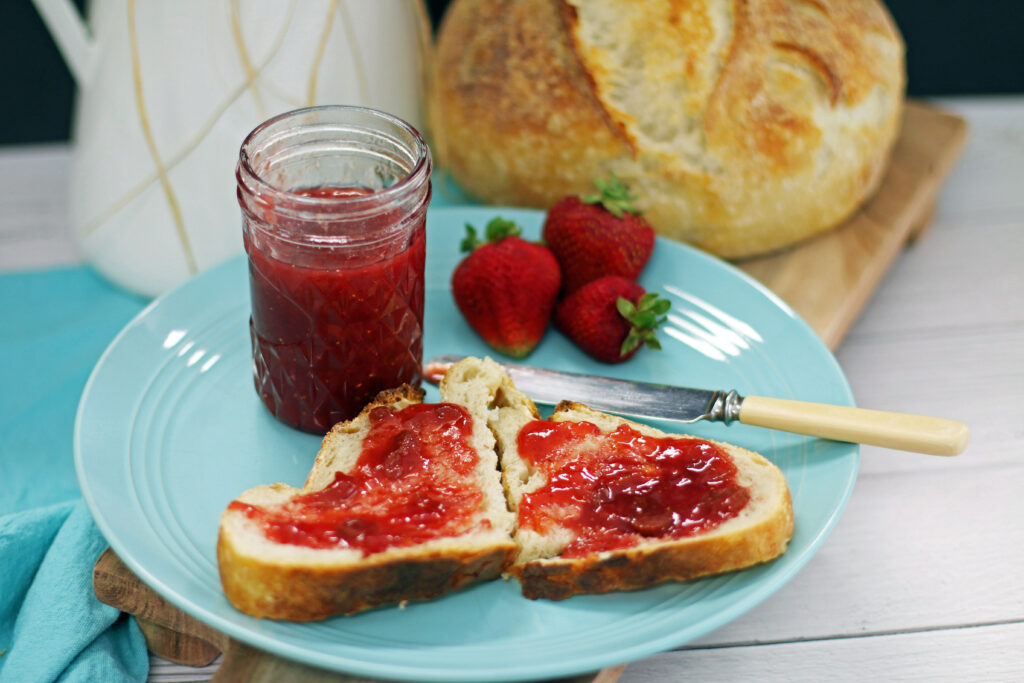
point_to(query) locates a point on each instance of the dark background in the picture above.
(954, 47)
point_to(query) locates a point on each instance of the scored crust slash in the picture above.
(744, 126)
(410, 500)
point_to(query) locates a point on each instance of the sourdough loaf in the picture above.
(759, 532)
(279, 580)
(743, 126)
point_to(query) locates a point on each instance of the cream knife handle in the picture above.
(932, 435)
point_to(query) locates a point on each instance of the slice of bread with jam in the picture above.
(604, 504)
(404, 502)
(409, 501)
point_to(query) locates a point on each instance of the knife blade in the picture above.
(622, 397)
(646, 400)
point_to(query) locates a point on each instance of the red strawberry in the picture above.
(597, 235)
(610, 318)
(506, 288)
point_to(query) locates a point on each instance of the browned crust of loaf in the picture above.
(513, 66)
(641, 567)
(519, 116)
(570, 20)
(304, 593)
(506, 75)
(637, 568)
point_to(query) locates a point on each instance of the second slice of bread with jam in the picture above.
(403, 502)
(605, 504)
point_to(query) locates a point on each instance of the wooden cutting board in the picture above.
(827, 280)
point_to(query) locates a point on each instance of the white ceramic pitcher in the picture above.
(168, 90)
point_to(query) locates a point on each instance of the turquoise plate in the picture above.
(170, 430)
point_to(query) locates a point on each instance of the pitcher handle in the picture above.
(71, 35)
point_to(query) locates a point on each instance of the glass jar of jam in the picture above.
(334, 203)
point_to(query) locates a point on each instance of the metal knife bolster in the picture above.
(726, 407)
(624, 397)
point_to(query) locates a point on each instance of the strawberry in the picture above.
(597, 235)
(506, 287)
(611, 318)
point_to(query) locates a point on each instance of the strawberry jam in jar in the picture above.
(334, 203)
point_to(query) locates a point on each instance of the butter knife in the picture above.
(901, 431)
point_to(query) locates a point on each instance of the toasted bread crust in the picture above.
(316, 592)
(642, 567)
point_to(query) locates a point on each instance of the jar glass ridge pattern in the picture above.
(333, 203)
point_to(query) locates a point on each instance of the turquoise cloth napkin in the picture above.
(54, 325)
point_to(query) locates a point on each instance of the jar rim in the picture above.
(352, 205)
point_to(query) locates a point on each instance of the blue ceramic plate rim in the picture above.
(100, 455)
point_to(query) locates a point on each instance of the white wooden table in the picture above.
(923, 578)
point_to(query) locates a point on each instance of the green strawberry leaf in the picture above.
(613, 195)
(643, 319)
(471, 241)
(631, 341)
(646, 299)
(625, 307)
(499, 228)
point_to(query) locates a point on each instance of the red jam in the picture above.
(613, 490)
(414, 481)
(331, 331)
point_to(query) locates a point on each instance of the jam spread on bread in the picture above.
(413, 481)
(613, 490)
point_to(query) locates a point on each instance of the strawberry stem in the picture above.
(643, 319)
(497, 229)
(613, 195)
